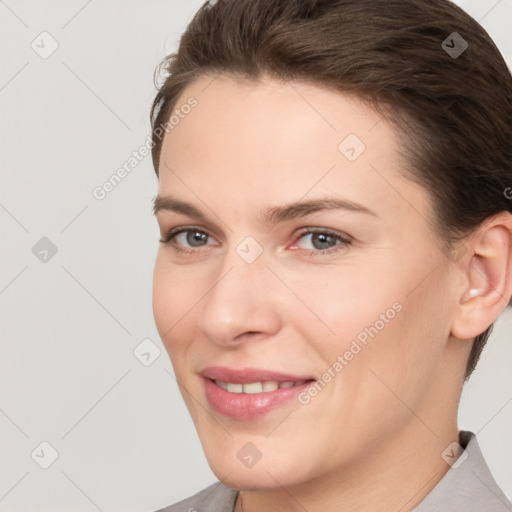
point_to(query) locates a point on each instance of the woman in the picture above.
(335, 209)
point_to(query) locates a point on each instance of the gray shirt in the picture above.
(467, 487)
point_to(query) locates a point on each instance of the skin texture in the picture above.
(372, 438)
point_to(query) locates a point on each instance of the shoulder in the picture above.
(214, 498)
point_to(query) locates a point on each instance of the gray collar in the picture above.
(468, 485)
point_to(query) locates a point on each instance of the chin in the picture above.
(250, 479)
(266, 474)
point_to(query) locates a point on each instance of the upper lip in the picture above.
(247, 375)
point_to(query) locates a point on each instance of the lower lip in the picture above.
(246, 406)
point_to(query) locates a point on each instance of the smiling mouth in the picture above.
(248, 393)
(251, 399)
(259, 386)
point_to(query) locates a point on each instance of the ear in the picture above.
(487, 268)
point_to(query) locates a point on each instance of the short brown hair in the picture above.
(454, 111)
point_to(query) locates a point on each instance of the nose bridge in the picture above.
(240, 298)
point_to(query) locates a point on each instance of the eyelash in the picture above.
(343, 241)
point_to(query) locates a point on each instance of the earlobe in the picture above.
(488, 277)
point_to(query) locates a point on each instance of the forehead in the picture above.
(279, 141)
(262, 110)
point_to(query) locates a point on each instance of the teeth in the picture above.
(223, 385)
(235, 388)
(253, 387)
(270, 385)
(257, 387)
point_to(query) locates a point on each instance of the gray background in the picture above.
(70, 324)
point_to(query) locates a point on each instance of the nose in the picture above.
(242, 303)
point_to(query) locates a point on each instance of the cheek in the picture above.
(174, 294)
(404, 347)
(422, 332)
(379, 320)
(348, 301)
(388, 347)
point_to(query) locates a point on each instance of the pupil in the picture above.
(323, 239)
(196, 236)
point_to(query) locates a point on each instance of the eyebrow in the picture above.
(271, 215)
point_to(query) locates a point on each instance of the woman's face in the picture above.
(350, 290)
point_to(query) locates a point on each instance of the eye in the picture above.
(185, 237)
(321, 241)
